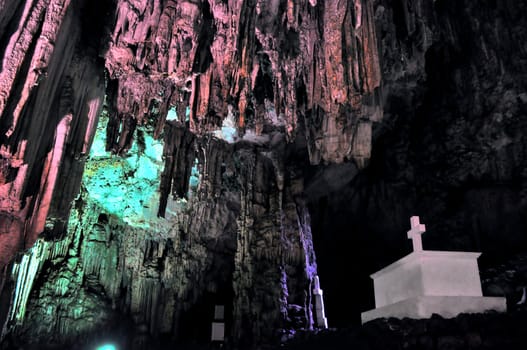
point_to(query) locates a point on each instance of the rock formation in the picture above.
(450, 147)
(159, 157)
(51, 93)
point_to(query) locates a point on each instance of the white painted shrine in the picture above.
(428, 282)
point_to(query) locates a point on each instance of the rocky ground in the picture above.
(480, 331)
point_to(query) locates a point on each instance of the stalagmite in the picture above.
(26, 272)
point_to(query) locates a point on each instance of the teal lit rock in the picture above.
(194, 177)
(228, 129)
(172, 114)
(125, 186)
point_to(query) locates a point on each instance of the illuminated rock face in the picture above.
(237, 69)
(232, 234)
(51, 93)
(127, 186)
(316, 65)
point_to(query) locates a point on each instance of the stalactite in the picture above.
(198, 38)
(42, 86)
(49, 178)
(179, 155)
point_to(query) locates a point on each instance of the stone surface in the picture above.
(51, 93)
(212, 56)
(476, 332)
(425, 306)
(164, 275)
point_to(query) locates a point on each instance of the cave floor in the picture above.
(467, 331)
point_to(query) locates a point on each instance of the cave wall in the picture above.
(450, 147)
(51, 93)
(240, 238)
(179, 71)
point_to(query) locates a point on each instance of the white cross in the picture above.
(415, 233)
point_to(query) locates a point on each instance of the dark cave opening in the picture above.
(347, 245)
(349, 225)
(195, 323)
(343, 266)
(203, 57)
(95, 18)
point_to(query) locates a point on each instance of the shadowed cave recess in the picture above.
(161, 157)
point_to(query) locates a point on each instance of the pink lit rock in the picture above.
(204, 54)
(46, 118)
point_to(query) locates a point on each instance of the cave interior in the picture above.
(159, 158)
